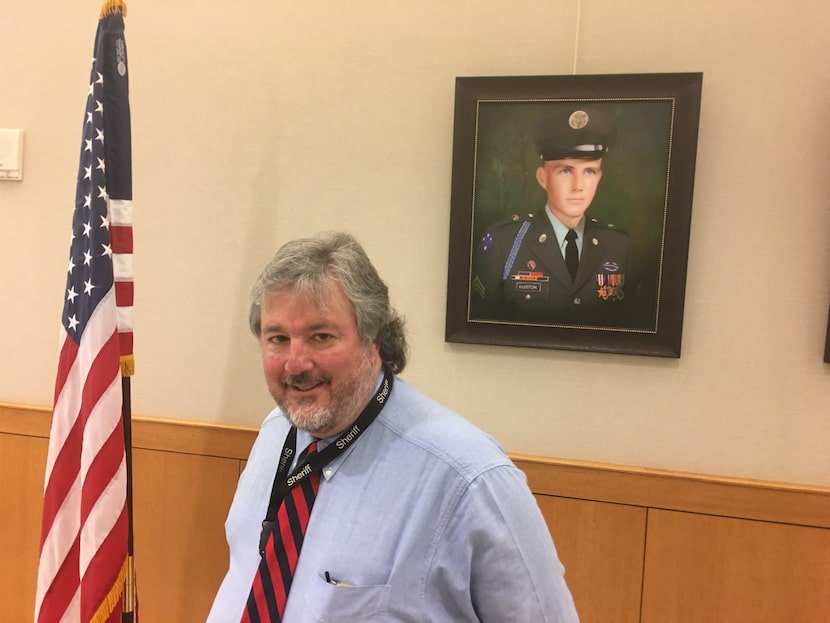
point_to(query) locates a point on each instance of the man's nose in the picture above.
(576, 182)
(299, 358)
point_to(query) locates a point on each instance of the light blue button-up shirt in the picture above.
(424, 519)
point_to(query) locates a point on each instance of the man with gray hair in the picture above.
(417, 514)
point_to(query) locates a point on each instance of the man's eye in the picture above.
(278, 339)
(322, 337)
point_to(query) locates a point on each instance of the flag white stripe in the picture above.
(121, 211)
(73, 611)
(61, 535)
(104, 514)
(106, 415)
(125, 318)
(122, 266)
(68, 402)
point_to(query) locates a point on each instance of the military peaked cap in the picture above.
(575, 132)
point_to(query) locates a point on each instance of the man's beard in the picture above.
(343, 407)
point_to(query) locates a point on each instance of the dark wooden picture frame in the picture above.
(647, 180)
(827, 341)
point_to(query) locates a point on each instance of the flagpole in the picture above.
(128, 611)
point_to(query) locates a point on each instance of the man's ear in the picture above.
(542, 176)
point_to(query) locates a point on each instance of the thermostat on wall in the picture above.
(11, 155)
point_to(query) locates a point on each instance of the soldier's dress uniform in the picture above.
(520, 274)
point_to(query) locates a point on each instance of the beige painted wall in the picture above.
(254, 122)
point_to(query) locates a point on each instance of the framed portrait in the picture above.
(571, 210)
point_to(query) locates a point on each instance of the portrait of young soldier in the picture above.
(556, 264)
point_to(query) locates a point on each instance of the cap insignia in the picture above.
(578, 119)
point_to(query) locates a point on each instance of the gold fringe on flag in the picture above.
(111, 600)
(113, 6)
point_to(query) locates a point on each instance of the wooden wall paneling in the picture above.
(193, 437)
(24, 420)
(697, 493)
(601, 546)
(22, 466)
(700, 568)
(715, 549)
(180, 505)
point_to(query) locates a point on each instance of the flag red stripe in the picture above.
(115, 617)
(69, 351)
(103, 469)
(126, 341)
(63, 587)
(103, 371)
(62, 478)
(104, 567)
(121, 237)
(124, 293)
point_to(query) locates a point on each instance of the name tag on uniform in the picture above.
(529, 284)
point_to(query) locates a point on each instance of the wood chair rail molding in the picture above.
(635, 486)
(761, 500)
(184, 436)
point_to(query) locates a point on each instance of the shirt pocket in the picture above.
(347, 604)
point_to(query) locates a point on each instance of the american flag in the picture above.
(84, 556)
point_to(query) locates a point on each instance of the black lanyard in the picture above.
(284, 482)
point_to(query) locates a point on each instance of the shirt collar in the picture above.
(560, 230)
(304, 438)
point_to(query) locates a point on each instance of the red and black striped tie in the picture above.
(269, 592)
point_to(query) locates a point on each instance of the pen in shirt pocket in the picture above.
(334, 582)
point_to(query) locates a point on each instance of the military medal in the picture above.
(611, 286)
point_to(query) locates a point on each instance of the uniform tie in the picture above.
(269, 592)
(571, 253)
